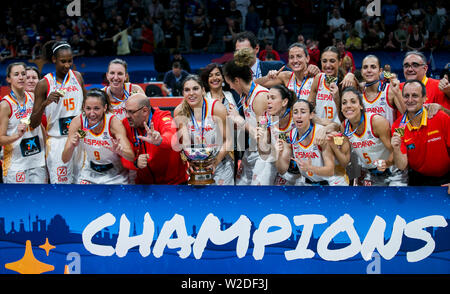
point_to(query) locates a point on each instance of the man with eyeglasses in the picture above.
(421, 143)
(415, 68)
(150, 131)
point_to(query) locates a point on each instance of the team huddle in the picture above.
(273, 124)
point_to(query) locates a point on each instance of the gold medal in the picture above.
(330, 79)
(283, 136)
(338, 140)
(25, 120)
(82, 133)
(400, 131)
(61, 91)
(387, 75)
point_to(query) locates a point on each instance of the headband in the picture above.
(59, 46)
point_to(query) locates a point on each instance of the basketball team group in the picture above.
(270, 123)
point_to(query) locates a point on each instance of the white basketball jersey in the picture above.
(311, 151)
(28, 151)
(368, 147)
(118, 103)
(380, 105)
(101, 162)
(300, 88)
(209, 134)
(247, 104)
(325, 105)
(60, 115)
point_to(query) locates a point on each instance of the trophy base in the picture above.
(201, 178)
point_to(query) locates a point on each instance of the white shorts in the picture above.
(60, 172)
(264, 173)
(224, 173)
(114, 176)
(289, 179)
(37, 175)
(245, 172)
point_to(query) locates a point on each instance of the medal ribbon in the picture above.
(194, 121)
(21, 108)
(269, 118)
(244, 98)
(125, 92)
(347, 126)
(63, 83)
(87, 127)
(303, 137)
(403, 121)
(138, 141)
(301, 87)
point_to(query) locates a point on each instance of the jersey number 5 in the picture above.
(367, 157)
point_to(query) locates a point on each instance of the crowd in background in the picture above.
(124, 27)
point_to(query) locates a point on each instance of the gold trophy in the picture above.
(200, 157)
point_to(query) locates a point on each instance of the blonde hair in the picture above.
(244, 57)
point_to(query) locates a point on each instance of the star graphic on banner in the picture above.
(28, 264)
(47, 246)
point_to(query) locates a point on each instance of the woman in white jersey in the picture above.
(383, 97)
(119, 89)
(324, 94)
(379, 96)
(369, 136)
(59, 96)
(24, 153)
(238, 75)
(316, 162)
(276, 124)
(201, 122)
(216, 89)
(298, 80)
(103, 139)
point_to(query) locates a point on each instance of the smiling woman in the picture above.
(119, 88)
(58, 97)
(202, 121)
(104, 141)
(24, 160)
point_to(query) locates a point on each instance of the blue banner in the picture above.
(99, 229)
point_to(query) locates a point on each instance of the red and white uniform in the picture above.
(380, 105)
(325, 105)
(24, 159)
(311, 151)
(368, 146)
(117, 106)
(102, 166)
(59, 115)
(301, 92)
(251, 172)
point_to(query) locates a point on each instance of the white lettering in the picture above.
(414, 230)
(210, 230)
(93, 228)
(144, 241)
(375, 239)
(183, 241)
(342, 224)
(262, 237)
(308, 222)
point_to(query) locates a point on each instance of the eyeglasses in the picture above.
(414, 65)
(131, 112)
